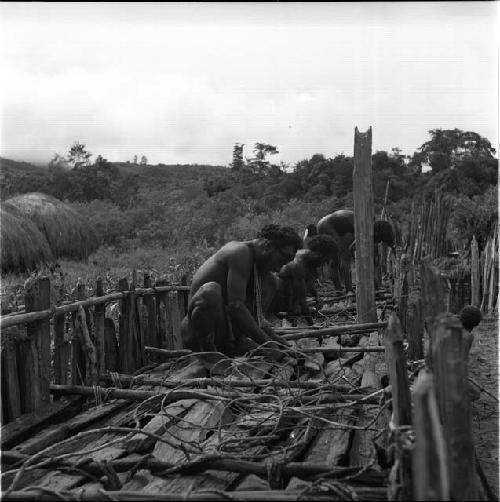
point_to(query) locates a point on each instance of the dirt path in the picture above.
(483, 368)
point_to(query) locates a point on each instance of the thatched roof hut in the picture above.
(24, 247)
(68, 234)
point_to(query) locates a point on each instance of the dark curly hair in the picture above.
(281, 236)
(383, 232)
(323, 244)
(470, 317)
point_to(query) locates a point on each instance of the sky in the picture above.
(183, 82)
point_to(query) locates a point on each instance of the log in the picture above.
(28, 317)
(220, 382)
(334, 330)
(34, 363)
(451, 382)
(177, 395)
(429, 469)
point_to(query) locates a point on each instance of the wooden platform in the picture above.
(201, 429)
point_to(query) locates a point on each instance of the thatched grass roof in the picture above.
(24, 247)
(68, 234)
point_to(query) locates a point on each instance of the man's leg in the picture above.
(205, 326)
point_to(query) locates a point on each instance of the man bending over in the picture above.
(225, 309)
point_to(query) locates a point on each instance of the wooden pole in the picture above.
(430, 474)
(415, 330)
(62, 350)
(363, 226)
(35, 362)
(449, 362)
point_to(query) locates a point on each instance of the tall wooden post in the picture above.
(449, 356)
(363, 226)
(99, 314)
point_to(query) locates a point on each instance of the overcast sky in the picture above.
(183, 82)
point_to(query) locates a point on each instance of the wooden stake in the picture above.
(99, 314)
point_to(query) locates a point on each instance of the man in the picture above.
(225, 310)
(340, 226)
(296, 279)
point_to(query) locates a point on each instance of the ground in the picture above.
(483, 368)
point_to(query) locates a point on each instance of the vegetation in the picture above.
(143, 212)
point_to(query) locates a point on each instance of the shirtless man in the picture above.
(225, 309)
(297, 277)
(340, 226)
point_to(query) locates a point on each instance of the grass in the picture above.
(111, 264)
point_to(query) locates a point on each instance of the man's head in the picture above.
(383, 232)
(470, 317)
(280, 246)
(322, 248)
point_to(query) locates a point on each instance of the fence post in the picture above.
(430, 474)
(135, 324)
(99, 311)
(449, 356)
(126, 348)
(78, 365)
(415, 328)
(151, 334)
(363, 226)
(11, 395)
(398, 372)
(35, 359)
(62, 351)
(175, 316)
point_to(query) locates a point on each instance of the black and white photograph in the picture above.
(249, 251)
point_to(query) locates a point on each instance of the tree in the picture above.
(78, 156)
(135, 160)
(448, 146)
(237, 163)
(144, 161)
(58, 162)
(259, 164)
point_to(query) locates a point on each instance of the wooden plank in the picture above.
(175, 316)
(10, 379)
(56, 433)
(27, 424)
(201, 420)
(164, 329)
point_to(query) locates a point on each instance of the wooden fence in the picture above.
(78, 343)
